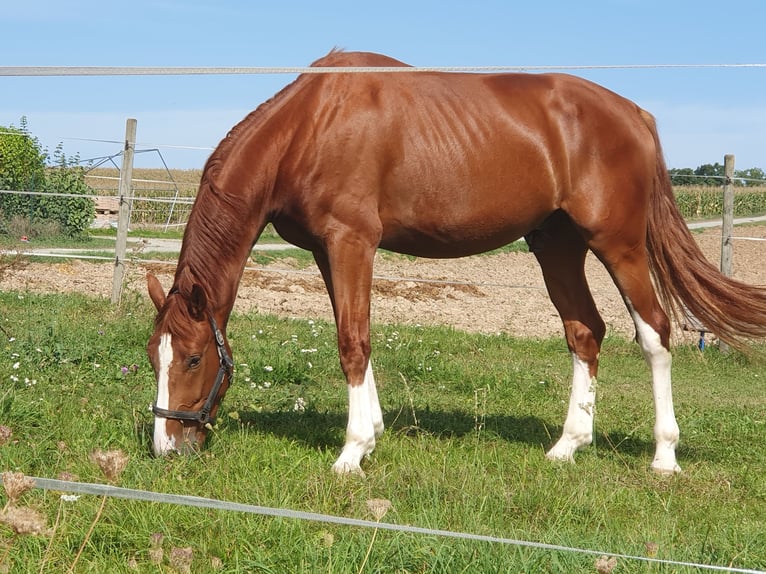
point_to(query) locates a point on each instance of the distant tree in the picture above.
(713, 174)
(750, 177)
(682, 176)
(710, 174)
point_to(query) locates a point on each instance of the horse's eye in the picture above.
(194, 361)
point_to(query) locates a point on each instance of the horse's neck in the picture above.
(232, 207)
(219, 237)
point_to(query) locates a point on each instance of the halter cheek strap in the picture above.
(225, 368)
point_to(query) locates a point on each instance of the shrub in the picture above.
(73, 214)
(23, 168)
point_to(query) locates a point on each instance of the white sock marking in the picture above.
(666, 431)
(365, 422)
(578, 427)
(375, 411)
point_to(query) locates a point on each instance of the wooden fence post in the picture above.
(727, 225)
(126, 196)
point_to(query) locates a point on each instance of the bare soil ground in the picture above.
(488, 294)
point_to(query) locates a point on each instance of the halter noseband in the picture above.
(225, 368)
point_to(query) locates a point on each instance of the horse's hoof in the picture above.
(345, 468)
(665, 469)
(558, 454)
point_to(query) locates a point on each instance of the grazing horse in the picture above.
(438, 165)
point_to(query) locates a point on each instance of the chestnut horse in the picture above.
(436, 164)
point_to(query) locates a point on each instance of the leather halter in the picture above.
(225, 368)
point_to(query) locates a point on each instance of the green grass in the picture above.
(468, 420)
(59, 242)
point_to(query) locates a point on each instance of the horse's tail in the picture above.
(683, 276)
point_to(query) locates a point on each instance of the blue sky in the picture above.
(702, 113)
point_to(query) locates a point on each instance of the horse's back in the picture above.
(446, 158)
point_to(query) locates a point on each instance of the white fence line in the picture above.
(253, 70)
(184, 200)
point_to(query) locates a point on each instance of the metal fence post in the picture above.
(126, 195)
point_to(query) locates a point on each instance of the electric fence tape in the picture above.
(200, 502)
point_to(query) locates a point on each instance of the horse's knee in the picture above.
(354, 357)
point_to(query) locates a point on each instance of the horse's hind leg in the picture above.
(347, 273)
(561, 253)
(630, 270)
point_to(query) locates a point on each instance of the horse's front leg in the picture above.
(347, 271)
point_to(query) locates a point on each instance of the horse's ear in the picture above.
(156, 294)
(198, 303)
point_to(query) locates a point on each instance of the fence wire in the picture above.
(252, 70)
(214, 504)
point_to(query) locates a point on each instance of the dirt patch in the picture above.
(489, 294)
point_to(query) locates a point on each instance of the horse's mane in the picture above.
(216, 217)
(341, 59)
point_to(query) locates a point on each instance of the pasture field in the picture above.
(468, 417)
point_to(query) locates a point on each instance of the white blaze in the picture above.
(162, 442)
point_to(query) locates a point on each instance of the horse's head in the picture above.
(192, 363)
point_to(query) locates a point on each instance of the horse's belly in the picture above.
(446, 242)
